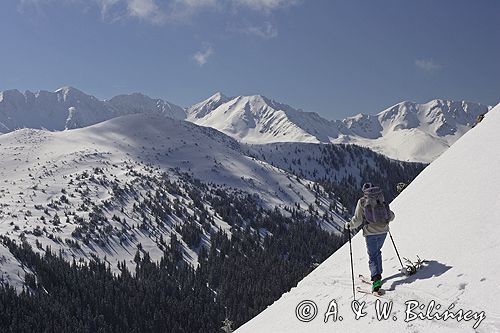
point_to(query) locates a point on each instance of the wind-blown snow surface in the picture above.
(448, 215)
(407, 131)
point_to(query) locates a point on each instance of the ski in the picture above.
(379, 293)
(367, 281)
(364, 279)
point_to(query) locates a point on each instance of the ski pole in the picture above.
(352, 266)
(395, 248)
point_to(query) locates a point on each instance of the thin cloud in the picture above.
(427, 65)
(201, 57)
(265, 31)
(183, 10)
(146, 10)
(161, 12)
(37, 6)
(266, 5)
(113, 10)
(106, 5)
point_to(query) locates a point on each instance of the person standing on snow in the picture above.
(374, 214)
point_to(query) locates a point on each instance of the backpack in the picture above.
(376, 210)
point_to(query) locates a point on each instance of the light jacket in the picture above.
(368, 228)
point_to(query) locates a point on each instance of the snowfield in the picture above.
(449, 215)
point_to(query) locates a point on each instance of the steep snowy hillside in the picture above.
(104, 189)
(449, 216)
(68, 108)
(12, 271)
(407, 131)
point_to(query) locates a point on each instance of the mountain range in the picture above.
(69, 108)
(406, 131)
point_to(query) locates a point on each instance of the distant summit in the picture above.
(69, 108)
(257, 119)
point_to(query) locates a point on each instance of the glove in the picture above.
(347, 226)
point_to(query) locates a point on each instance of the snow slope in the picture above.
(107, 169)
(407, 131)
(448, 215)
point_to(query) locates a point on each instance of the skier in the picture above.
(374, 214)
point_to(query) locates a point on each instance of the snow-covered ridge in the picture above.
(449, 216)
(69, 108)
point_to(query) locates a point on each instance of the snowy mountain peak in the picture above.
(69, 93)
(258, 119)
(201, 109)
(218, 96)
(69, 90)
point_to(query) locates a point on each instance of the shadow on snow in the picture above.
(431, 269)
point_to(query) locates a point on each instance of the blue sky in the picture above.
(334, 57)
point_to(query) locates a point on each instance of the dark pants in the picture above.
(374, 244)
